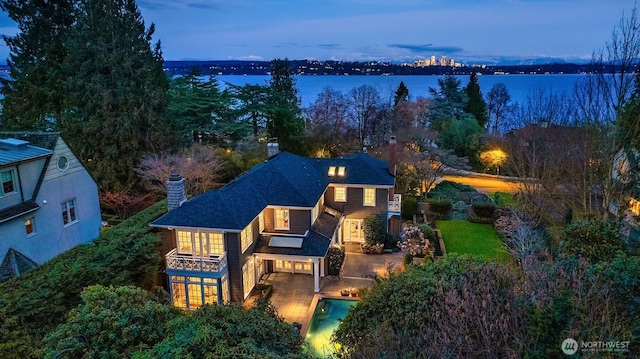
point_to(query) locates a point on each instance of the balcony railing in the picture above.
(394, 206)
(196, 264)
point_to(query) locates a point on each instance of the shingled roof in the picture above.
(39, 139)
(283, 180)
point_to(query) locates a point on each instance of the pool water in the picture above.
(325, 320)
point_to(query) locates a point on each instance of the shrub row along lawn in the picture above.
(479, 240)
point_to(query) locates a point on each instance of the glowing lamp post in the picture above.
(494, 158)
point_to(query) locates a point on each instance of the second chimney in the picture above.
(175, 191)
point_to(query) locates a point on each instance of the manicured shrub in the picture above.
(409, 207)
(484, 209)
(477, 219)
(428, 232)
(449, 189)
(407, 259)
(335, 256)
(440, 206)
(374, 230)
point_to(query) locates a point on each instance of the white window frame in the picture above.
(364, 197)
(286, 219)
(246, 237)
(248, 277)
(201, 243)
(13, 182)
(340, 198)
(69, 212)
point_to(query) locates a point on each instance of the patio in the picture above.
(293, 294)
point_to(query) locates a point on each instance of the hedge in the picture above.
(35, 303)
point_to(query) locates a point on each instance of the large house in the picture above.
(280, 216)
(48, 201)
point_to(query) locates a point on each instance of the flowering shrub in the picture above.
(412, 241)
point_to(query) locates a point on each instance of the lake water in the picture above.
(519, 86)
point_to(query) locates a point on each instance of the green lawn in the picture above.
(464, 237)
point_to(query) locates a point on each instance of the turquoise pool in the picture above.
(325, 320)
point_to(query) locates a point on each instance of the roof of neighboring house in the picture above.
(360, 168)
(39, 139)
(14, 264)
(14, 150)
(284, 180)
(17, 210)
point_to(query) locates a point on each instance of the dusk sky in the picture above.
(472, 31)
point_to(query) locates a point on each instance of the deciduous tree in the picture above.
(497, 106)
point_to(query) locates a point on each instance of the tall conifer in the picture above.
(476, 105)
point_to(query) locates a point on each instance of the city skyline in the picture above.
(487, 31)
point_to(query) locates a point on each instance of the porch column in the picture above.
(322, 267)
(316, 275)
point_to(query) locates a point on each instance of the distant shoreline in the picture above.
(345, 68)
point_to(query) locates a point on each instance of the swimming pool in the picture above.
(325, 320)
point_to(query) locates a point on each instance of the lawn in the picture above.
(476, 239)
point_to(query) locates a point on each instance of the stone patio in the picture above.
(293, 294)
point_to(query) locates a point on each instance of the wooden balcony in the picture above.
(196, 264)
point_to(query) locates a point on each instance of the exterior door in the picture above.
(354, 230)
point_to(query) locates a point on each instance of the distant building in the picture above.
(48, 201)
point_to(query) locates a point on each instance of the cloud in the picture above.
(427, 48)
(169, 4)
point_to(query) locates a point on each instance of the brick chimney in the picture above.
(272, 147)
(392, 155)
(175, 191)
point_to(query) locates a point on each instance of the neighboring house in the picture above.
(48, 201)
(280, 216)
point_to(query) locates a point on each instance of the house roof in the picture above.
(17, 210)
(360, 168)
(39, 139)
(14, 150)
(284, 180)
(14, 264)
(313, 245)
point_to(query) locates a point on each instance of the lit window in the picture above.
(30, 225)
(634, 206)
(341, 194)
(194, 287)
(216, 244)
(185, 244)
(248, 277)
(341, 171)
(7, 182)
(69, 211)
(369, 197)
(281, 218)
(332, 170)
(210, 290)
(246, 237)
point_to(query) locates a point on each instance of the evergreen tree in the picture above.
(35, 96)
(117, 90)
(476, 105)
(284, 116)
(402, 94)
(448, 103)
